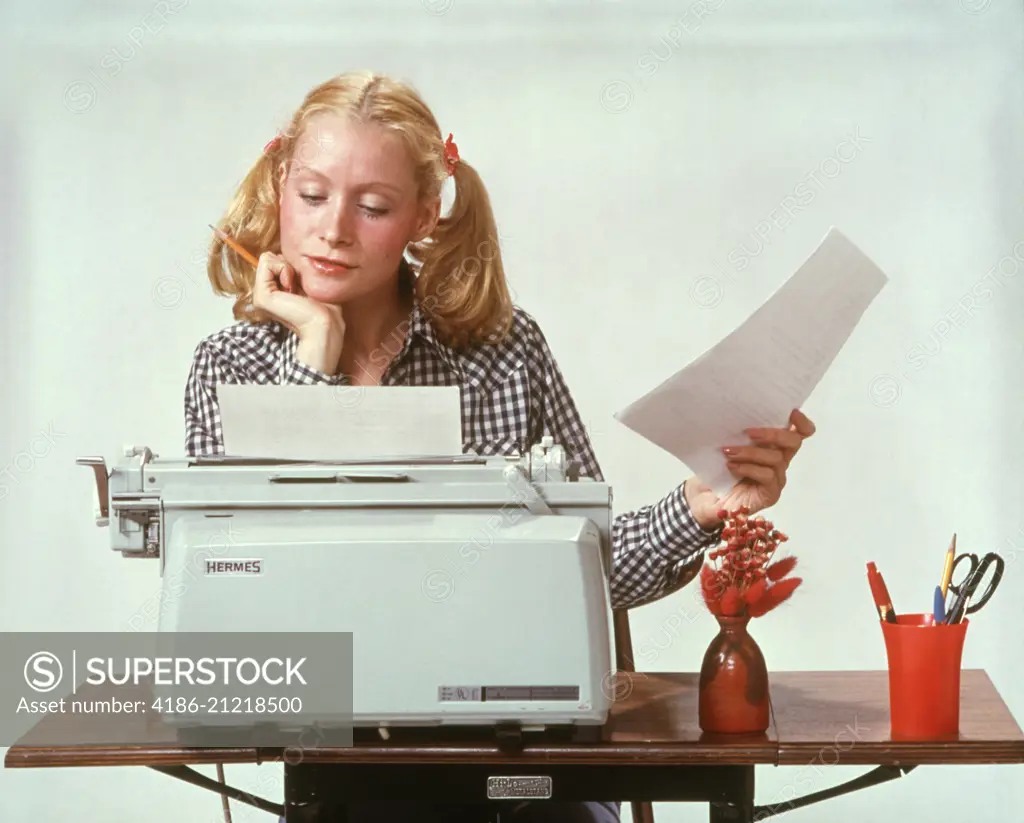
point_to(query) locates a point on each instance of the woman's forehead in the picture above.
(338, 147)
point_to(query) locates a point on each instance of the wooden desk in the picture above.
(652, 750)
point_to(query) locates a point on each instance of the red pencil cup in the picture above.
(924, 677)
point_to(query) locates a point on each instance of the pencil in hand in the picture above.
(234, 245)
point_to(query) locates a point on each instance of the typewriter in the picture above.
(475, 588)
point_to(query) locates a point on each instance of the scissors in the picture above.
(966, 590)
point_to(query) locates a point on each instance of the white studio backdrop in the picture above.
(657, 171)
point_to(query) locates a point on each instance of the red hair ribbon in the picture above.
(451, 154)
(272, 144)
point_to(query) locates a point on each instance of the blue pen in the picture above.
(940, 606)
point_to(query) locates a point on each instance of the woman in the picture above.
(334, 205)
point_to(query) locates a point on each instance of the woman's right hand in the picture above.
(319, 326)
(276, 291)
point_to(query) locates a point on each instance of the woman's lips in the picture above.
(328, 268)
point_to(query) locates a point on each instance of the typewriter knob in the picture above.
(144, 452)
(556, 462)
(548, 462)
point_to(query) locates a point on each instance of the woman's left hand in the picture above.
(760, 468)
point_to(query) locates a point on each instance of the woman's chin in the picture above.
(326, 289)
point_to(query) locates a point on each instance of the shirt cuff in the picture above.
(295, 372)
(675, 532)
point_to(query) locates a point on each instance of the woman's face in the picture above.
(349, 196)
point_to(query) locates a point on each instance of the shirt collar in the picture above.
(420, 325)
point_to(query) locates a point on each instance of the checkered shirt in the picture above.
(512, 394)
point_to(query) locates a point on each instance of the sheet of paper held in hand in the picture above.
(765, 368)
(340, 422)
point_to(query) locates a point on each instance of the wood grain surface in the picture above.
(829, 717)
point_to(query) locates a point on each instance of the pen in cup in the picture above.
(958, 609)
(881, 595)
(939, 606)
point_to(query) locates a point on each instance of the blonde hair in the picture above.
(460, 280)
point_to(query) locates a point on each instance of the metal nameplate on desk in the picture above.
(504, 787)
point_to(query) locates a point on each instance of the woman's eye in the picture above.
(314, 199)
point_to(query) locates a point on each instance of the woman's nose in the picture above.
(338, 228)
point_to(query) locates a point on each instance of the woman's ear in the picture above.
(429, 214)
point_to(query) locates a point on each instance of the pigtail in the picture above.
(252, 219)
(461, 284)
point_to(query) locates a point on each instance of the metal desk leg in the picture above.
(739, 808)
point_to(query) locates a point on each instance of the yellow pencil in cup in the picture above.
(947, 569)
(234, 245)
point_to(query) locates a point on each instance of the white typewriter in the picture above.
(475, 588)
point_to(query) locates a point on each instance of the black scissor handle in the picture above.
(973, 560)
(978, 575)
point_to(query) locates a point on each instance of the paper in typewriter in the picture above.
(765, 368)
(340, 422)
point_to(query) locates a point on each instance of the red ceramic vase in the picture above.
(733, 696)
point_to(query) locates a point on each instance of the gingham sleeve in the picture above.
(650, 544)
(203, 433)
(242, 353)
(295, 371)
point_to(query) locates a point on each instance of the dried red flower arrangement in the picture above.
(741, 578)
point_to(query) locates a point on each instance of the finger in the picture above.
(765, 475)
(764, 456)
(785, 447)
(286, 278)
(802, 424)
(781, 438)
(266, 271)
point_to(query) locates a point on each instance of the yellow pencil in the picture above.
(233, 244)
(947, 569)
